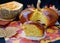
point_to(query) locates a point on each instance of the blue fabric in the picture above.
(2, 40)
(58, 41)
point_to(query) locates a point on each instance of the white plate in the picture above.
(32, 38)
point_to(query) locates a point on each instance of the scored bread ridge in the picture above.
(15, 5)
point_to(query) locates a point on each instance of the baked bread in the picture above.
(29, 15)
(10, 10)
(33, 29)
(51, 16)
(45, 16)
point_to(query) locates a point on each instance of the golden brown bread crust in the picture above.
(21, 16)
(52, 16)
(22, 19)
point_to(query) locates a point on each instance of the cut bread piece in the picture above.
(39, 16)
(33, 29)
(35, 16)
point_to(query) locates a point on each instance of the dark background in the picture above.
(30, 2)
(43, 2)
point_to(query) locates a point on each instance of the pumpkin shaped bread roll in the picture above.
(10, 10)
(45, 16)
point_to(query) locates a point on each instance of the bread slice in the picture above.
(32, 30)
(39, 16)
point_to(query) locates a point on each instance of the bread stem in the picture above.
(38, 4)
